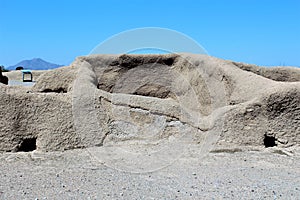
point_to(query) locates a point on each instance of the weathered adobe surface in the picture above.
(284, 74)
(108, 99)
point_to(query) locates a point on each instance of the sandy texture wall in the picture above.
(111, 99)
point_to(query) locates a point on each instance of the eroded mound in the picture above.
(152, 99)
(284, 74)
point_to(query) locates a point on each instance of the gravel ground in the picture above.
(75, 174)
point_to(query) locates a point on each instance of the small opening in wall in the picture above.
(269, 141)
(28, 144)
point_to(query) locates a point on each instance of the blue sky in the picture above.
(262, 32)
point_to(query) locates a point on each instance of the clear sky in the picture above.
(263, 32)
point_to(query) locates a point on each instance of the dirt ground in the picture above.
(268, 173)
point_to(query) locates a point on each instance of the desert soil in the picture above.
(76, 174)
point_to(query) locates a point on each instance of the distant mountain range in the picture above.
(35, 64)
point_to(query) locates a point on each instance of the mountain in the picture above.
(35, 64)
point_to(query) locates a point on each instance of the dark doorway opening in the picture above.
(269, 141)
(28, 144)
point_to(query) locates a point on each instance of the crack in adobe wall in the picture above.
(158, 113)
